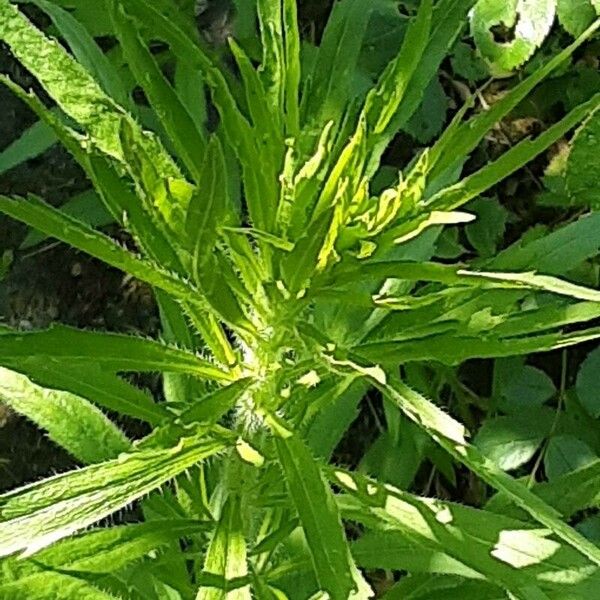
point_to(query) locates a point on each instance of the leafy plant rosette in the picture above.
(287, 287)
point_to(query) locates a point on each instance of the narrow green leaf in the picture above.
(442, 587)
(467, 136)
(555, 253)
(319, 517)
(86, 51)
(149, 228)
(448, 21)
(537, 282)
(190, 87)
(216, 404)
(52, 585)
(226, 559)
(111, 351)
(268, 238)
(512, 160)
(383, 101)
(273, 67)
(40, 514)
(94, 384)
(72, 422)
(260, 187)
(33, 141)
(264, 119)
(52, 222)
(188, 141)
(458, 277)
(177, 331)
(99, 551)
(453, 348)
(73, 88)
(327, 89)
(86, 206)
(300, 264)
(207, 208)
(146, 224)
(292, 67)
(395, 551)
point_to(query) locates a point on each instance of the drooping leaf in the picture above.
(434, 536)
(83, 99)
(40, 514)
(86, 50)
(72, 422)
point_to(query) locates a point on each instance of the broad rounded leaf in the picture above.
(586, 386)
(521, 386)
(583, 164)
(512, 441)
(485, 233)
(575, 15)
(508, 33)
(566, 453)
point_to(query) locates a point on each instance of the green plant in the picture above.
(287, 285)
(508, 33)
